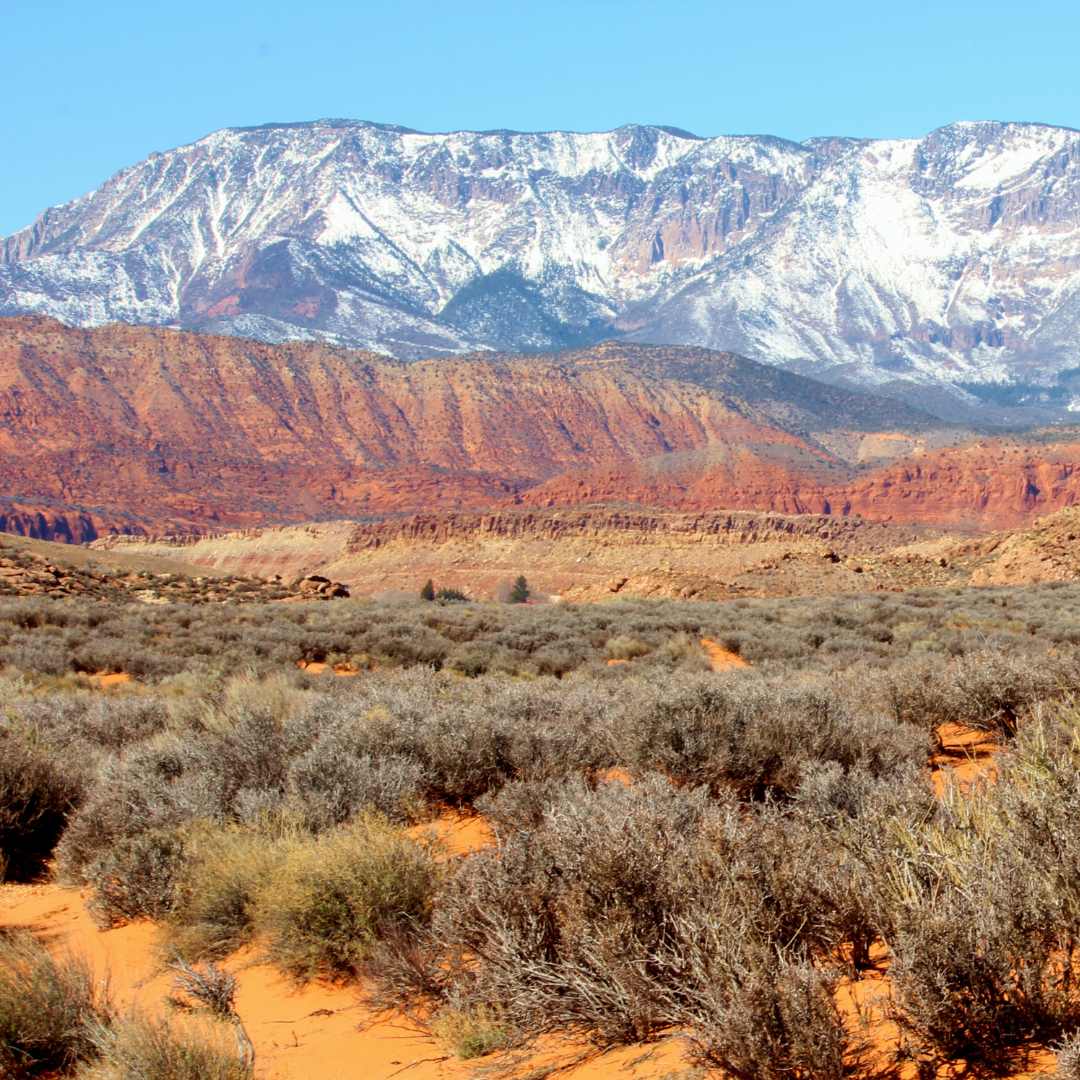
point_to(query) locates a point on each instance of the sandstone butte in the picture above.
(141, 430)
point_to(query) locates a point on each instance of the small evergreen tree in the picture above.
(519, 594)
(428, 591)
(451, 596)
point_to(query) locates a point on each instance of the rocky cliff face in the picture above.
(953, 258)
(588, 554)
(187, 432)
(982, 484)
(129, 429)
(41, 520)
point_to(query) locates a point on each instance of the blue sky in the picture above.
(86, 89)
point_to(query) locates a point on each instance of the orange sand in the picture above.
(966, 756)
(105, 679)
(317, 667)
(721, 659)
(458, 834)
(865, 1006)
(315, 1031)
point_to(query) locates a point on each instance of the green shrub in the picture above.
(213, 907)
(451, 596)
(48, 1009)
(519, 593)
(332, 897)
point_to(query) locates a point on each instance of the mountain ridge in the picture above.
(142, 430)
(945, 260)
(173, 430)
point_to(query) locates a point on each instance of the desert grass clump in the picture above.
(212, 911)
(472, 1032)
(333, 897)
(49, 1009)
(140, 1047)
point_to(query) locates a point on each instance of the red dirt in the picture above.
(966, 756)
(720, 658)
(105, 679)
(317, 667)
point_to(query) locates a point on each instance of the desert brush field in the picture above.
(818, 837)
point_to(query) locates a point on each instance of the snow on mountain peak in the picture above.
(953, 257)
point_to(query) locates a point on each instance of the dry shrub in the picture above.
(624, 647)
(980, 904)
(625, 911)
(124, 840)
(1068, 1058)
(332, 897)
(337, 779)
(136, 877)
(772, 1017)
(988, 689)
(48, 1009)
(36, 798)
(758, 736)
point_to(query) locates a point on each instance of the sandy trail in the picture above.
(309, 1032)
(318, 1030)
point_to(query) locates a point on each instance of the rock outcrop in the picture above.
(44, 570)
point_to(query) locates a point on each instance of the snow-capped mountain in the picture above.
(953, 258)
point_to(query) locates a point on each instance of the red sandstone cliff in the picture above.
(127, 429)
